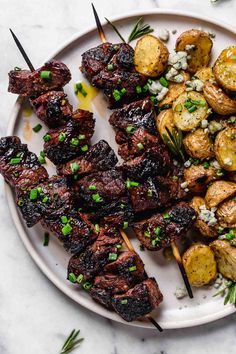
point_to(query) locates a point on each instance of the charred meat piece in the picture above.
(52, 198)
(70, 229)
(20, 167)
(100, 157)
(137, 143)
(161, 229)
(96, 59)
(106, 286)
(139, 114)
(128, 265)
(139, 301)
(53, 75)
(52, 108)
(99, 188)
(92, 261)
(66, 143)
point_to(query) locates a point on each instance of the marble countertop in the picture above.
(35, 317)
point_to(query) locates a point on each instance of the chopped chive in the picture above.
(74, 142)
(74, 167)
(130, 129)
(112, 257)
(166, 216)
(79, 88)
(157, 230)
(47, 137)
(154, 100)
(192, 109)
(72, 277)
(132, 269)
(140, 146)
(87, 285)
(119, 82)
(149, 192)
(37, 128)
(79, 279)
(97, 228)
(17, 68)
(45, 74)
(33, 194)
(116, 94)
(45, 199)
(125, 224)
(82, 136)
(15, 160)
(154, 242)
(92, 187)
(15, 174)
(163, 82)
(39, 189)
(178, 107)
(64, 219)
(110, 67)
(66, 230)
(123, 91)
(62, 137)
(130, 184)
(97, 198)
(41, 157)
(20, 202)
(84, 148)
(118, 247)
(206, 165)
(230, 235)
(147, 233)
(46, 239)
(138, 89)
(124, 302)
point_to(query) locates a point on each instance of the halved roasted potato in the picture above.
(200, 225)
(165, 119)
(200, 53)
(186, 118)
(205, 74)
(150, 56)
(200, 265)
(224, 69)
(225, 255)
(175, 89)
(226, 214)
(198, 144)
(219, 191)
(218, 100)
(198, 177)
(225, 148)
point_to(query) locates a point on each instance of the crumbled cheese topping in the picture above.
(178, 60)
(204, 123)
(164, 35)
(208, 215)
(187, 163)
(219, 281)
(195, 85)
(184, 185)
(228, 161)
(157, 89)
(215, 164)
(189, 47)
(180, 292)
(214, 126)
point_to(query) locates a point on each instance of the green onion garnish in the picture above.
(87, 285)
(46, 239)
(149, 192)
(84, 148)
(45, 199)
(166, 216)
(132, 269)
(157, 230)
(130, 129)
(45, 74)
(112, 257)
(147, 233)
(66, 230)
(79, 88)
(74, 167)
(92, 187)
(20, 202)
(97, 228)
(124, 302)
(140, 146)
(110, 67)
(82, 137)
(206, 165)
(74, 142)
(80, 278)
(163, 82)
(116, 94)
(37, 128)
(130, 184)
(15, 160)
(97, 198)
(62, 137)
(64, 219)
(125, 224)
(47, 137)
(230, 235)
(138, 89)
(41, 157)
(33, 194)
(192, 109)
(72, 277)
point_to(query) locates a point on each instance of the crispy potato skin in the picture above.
(175, 89)
(201, 54)
(183, 119)
(150, 56)
(198, 144)
(226, 214)
(205, 74)
(218, 192)
(218, 100)
(200, 225)
(200, 265)
(224, 69)
(225, 148)
(198, 177)
(225, 255)
(165, 119)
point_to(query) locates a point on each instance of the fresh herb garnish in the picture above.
(71, 342)
(115, 29)
(230, 297)
(46, 239)
(78, 87)
(174, 141)
(37, 128)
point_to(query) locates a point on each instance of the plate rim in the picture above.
(11, 201)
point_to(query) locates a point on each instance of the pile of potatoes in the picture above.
(211, 177)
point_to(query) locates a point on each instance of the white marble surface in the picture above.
(34, 316)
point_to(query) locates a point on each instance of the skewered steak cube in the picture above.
(128, 265)
(66, 143)
(27, 83)
(139, 114)
(106, 286)
(70, 229)
(139, 301)
(100, 157)
(92, 261)
(20, 167)
(52, 197)
(99, 188)
(161, 229)
(52, 108)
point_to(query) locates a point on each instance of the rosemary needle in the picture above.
(231, 293)
(115, 29)
(71, 342)
(174, 141)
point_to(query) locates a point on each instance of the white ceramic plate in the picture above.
(52, 260)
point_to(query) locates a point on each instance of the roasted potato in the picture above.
(225, 255)
(175, 89)
(224, 69)
(150, 56)
(163, 120)
(218, 100)
(198, 144)
(183, 119)
(205, 74)
(198, 177)
(219, 191)
(226, 213)
(201, 53)
(200, 225)
(200, 265)
(225, 148)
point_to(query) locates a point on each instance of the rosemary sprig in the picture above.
(71, 342)
(174, 141)
(230, 297)
(139, 30)
(115, 29)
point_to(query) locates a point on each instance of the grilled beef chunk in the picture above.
(139, 114)
(128, 265)
(31, 84)
(99, 188)
(20, 167)
(52, 108)
(100, 157)
(92, 261)
(106, 286)
(66, 143)
(139, 301)
(52, 198)
(161, 229)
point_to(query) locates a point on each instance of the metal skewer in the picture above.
(174, 247)
(21, 49)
